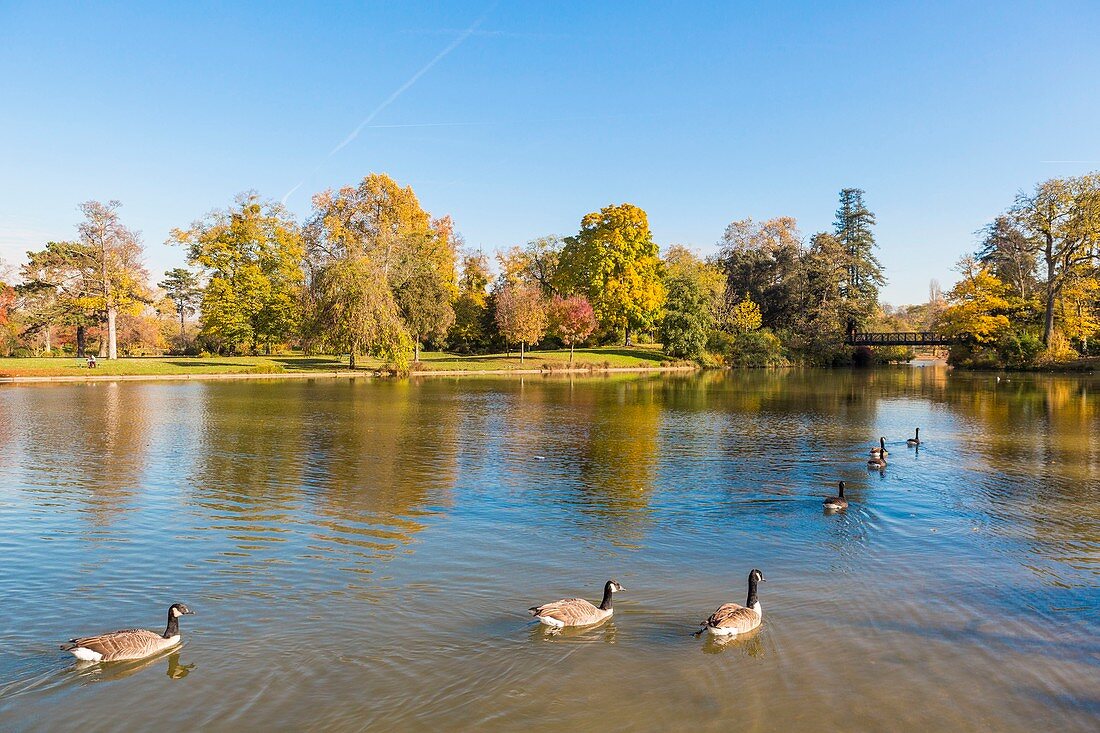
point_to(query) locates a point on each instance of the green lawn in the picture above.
(597, 358)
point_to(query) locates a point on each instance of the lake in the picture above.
(360, 554)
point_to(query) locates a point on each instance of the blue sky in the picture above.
(532, 114)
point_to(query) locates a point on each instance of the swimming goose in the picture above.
(915, 440)
(838, 501)
(576, 611)
(881, 450)
(129, 643)
(731, 619)
(877, 461)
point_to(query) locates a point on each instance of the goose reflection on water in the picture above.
(604, 631)
(91, 672)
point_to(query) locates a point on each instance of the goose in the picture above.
(915, 440)
(731, 619)
(881, 450)
(838, 501)
(576, 611)
(129, 643)
(877, 461)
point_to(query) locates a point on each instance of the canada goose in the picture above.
(881, 450)
(732, 619)
(576, 611)
(877, 461)
(129, 643)
(915, 440)
(838, 501)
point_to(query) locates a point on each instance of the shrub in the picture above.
(756, 349)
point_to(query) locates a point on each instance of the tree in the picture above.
(853, 230)
(355, 311)
(763, 262)
(1010, 256)
(1061, 217)
(977, 304)
(182, 286)
(109, 255)
(745, 317)
(693, 305)
(572, 319)
(536, 263)
(471, 307)
(251, 257)
(521, 315)
(383, 226)
(614, 262)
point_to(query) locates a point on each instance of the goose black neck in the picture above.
(752, 593)
(605, 605)
(173, 626)
(841, 490)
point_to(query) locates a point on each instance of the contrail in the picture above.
(393, 97)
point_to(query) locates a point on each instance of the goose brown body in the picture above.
(576, 611)
(128, 644)
(838, 501)
(731, 619)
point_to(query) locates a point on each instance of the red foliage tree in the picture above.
(572, 319)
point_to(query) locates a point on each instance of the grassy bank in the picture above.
(607, 357)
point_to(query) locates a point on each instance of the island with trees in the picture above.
(372, 278)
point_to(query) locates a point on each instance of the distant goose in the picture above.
(129, 643)
(881, 450)
(838, 501)
(576, 611)
(915, 440)
(731, 619)
(877, 461)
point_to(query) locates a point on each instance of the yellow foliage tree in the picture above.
(977, 304)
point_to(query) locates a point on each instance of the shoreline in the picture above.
(337, 374)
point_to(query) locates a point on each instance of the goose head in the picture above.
(755, 576)
(612, 587)
(178, 609)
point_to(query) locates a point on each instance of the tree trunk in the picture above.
(182, 330)
(626, 341)
(80, 341)
(521, 345)
(1048, 322)
(112, 333)
(416, 350)
(351, 360)
(102, 352)
(571, 352)
(49, 340)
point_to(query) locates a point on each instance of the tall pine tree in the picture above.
(853, 230)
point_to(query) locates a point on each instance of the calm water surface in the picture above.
(360, 554)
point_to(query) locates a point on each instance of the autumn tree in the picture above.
(471, 307)
(853, 229)
(1061, 217)
(183, 288)
(355, 311)
(250, 256)
(1011, 256)
(109, 256)
(615, 263)
(382, 227)
(521, 315)
(572, 319)
(535, 263)
(977, 304)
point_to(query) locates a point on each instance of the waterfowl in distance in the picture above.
(915, 440)
(838, 501)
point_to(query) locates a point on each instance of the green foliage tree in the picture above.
(853, 229)
(694, 301)
(763, 261)
(250, 255)
(185, 291)
(614, 262)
